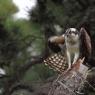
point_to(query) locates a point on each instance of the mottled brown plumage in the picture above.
(86, 48)
(57, 62)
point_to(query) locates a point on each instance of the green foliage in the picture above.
(21, 37)
(6, 8)
(17, 37)
(56, 10)
(38, 73)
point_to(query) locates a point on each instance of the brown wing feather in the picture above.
(57, 62)
(86, 43)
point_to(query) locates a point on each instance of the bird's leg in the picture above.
(69, 60)
(75, 58)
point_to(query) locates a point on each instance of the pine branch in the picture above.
(18, 75)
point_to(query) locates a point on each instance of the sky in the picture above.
(23, 7)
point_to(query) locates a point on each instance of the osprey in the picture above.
(76, 44)
(72, 43)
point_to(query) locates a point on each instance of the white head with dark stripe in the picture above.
(72, 35)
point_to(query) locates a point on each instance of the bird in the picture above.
(76, 44)
(72, 42)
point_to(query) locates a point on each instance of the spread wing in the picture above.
(54, 42)
(57, 62)
(85, 44)
(54, 47)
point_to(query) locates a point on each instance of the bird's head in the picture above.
(72, 35)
